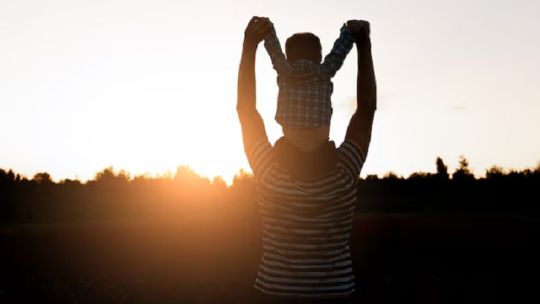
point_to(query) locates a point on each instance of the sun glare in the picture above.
(86, 88)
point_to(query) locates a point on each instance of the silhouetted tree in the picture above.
(372, 177)
(42, 178)
(391, 176)
(494, 172)
(70, 182)
(419, 175)
(464, 164)
(107, 175)
(11, 175)
(219, 183)
(244, 182)
(463, 172)
(4, 177)
(442, 169)
(185, 174)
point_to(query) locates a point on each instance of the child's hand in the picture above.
(360, 31)
(257, 29)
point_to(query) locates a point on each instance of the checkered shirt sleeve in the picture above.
(273, 47)
(342, 46)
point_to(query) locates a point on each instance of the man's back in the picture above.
(306, 220)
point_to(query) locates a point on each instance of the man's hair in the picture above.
(303, 46)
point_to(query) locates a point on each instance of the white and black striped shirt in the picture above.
(306, 225)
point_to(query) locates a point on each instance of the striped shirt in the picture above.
(306, 225)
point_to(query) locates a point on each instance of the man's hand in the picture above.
(360, 31)
(257, 29)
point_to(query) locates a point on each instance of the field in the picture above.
(428, 259)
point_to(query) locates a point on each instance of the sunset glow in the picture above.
(147, 86)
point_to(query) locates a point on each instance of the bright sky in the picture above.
(147, 85)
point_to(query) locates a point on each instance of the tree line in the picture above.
(115, 194)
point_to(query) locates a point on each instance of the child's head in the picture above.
(303, 46)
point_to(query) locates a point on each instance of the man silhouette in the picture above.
(306, 187)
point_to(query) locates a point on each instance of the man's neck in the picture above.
(307, 139)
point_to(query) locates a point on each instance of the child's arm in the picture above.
(334, 60)
(273, 47)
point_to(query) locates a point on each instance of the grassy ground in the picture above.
(429, 259)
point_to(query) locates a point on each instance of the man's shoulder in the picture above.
(260, 156)
(351, 156)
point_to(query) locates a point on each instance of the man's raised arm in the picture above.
(250, 120)
(361, 123)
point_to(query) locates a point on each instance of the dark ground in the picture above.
(422, 258)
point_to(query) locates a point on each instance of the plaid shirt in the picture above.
(305, 88)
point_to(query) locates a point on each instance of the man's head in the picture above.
(303, 46)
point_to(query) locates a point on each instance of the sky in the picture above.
(148, 85)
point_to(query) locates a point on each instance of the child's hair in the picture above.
(303, 46)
